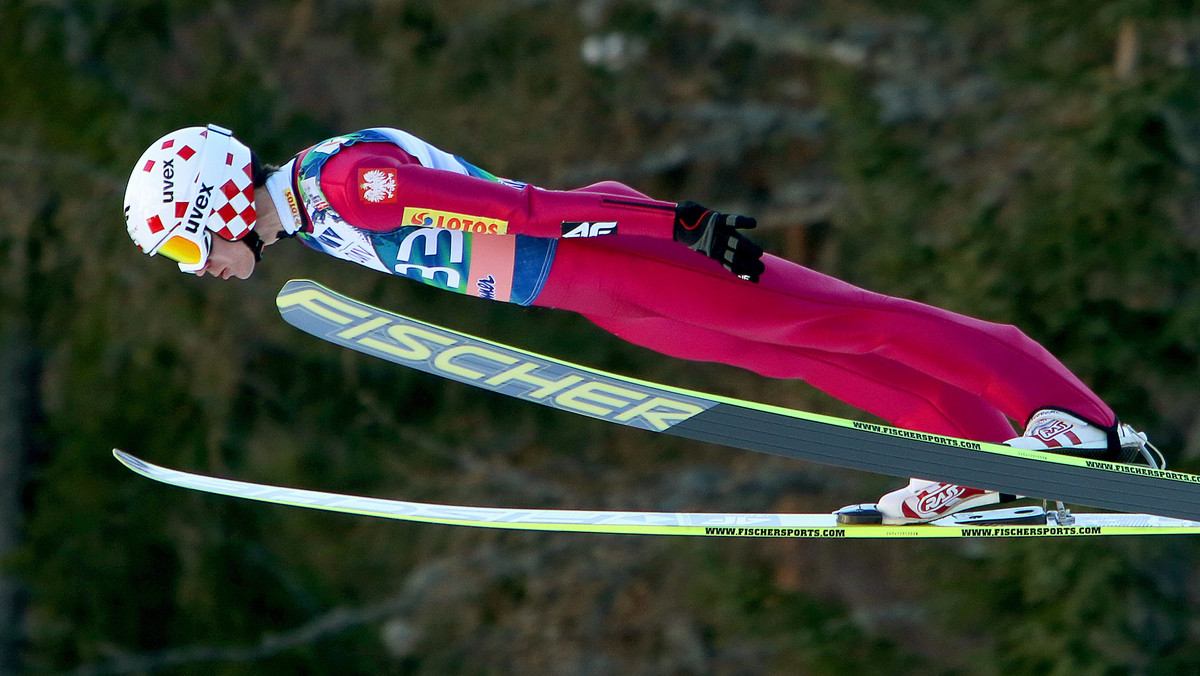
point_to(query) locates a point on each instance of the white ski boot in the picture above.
(1058, 431)
(1049, 429)
(922, 501)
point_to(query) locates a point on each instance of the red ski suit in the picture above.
(913, 365)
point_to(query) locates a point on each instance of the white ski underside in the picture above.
(649, 523)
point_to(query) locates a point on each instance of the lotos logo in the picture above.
(293, 207)
(431, 218)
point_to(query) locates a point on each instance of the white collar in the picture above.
(287, 202)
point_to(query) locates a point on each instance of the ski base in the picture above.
(796, 526)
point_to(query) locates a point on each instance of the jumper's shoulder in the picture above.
(362, 183)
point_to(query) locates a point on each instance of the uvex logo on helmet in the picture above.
(199, 212)
(168, 174)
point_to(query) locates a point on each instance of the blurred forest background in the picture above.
(1031, 163)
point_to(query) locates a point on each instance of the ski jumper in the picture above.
(391, 202)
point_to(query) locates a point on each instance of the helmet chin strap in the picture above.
(252, 240)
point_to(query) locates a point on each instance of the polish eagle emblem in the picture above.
(378, 185)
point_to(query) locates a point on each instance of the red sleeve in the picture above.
(380, 187)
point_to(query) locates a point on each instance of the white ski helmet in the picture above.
(187, 185)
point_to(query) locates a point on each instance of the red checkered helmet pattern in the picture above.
(195, 178)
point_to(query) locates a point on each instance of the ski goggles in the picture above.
(189, 247)
(189, 250)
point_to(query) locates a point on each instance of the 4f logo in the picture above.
(586, 229)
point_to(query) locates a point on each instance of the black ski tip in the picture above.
(866, 513)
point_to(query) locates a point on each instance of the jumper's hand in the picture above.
(716, 235)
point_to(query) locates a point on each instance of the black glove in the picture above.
(716, 235)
